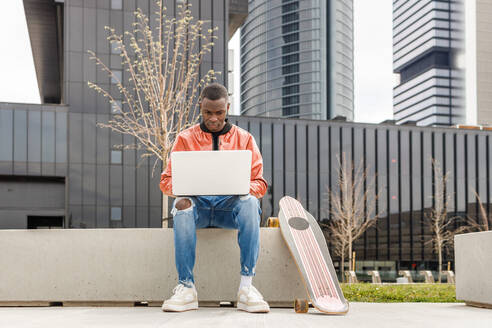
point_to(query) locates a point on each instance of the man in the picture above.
(231, 212)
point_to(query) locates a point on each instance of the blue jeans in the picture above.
(230, 212)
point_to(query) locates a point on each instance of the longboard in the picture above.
(307, 245)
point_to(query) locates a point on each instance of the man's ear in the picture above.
(228, 106)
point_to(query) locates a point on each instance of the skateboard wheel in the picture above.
(301, 306)
(272, 222)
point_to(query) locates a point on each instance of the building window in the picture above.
(290, 59)
(290, 48)
(289, 111)
(290, 18)
(291, 79)
(117, 4)
(290, 69)
(290, 90)
(6, 140)
(290, 7)
(291, 37)
(290, 28)
(115, 213)
(116, 157)
(439, 59)
(115, 47)
(117, 76)
(116, 107)
(286, 101)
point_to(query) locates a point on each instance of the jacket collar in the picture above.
(227, 127)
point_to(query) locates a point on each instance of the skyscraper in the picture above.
(297, 59)
(477, 60)
(427, 42)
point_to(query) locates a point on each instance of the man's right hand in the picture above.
(183, 204)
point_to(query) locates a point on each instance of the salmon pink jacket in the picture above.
(232, 137)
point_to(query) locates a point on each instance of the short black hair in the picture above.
(214, 91)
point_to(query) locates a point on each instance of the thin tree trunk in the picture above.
(343, 267)
(440, 263)
(350, 253)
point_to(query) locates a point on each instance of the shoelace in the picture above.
(254, 294)
(178, 290)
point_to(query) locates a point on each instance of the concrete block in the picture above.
(376, 277)
(473, 263)
(449, 277)
(122, 265)
(406, 274)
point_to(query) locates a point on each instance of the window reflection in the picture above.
(116, 157)
(6, 120)
(20, 135)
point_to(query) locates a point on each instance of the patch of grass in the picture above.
(365, 292)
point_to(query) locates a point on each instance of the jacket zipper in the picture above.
(215, 142)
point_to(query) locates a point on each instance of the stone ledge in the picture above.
(135, 265)
(473, 262)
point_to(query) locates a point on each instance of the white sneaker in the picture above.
(184, 299)
(249, 299)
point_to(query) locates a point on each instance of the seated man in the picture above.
(232, 212)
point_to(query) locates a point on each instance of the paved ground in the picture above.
(361, 315)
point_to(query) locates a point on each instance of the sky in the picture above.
(17, 76)
(373, 60)
(373, 77)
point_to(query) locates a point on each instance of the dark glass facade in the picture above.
(300, 160)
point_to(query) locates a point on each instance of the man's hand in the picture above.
(183, 204)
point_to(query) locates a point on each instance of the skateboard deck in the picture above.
(307, 245)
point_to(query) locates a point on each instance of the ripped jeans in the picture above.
(230, 212)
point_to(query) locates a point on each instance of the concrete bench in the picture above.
(376, 278)
(135, 265)
(473, 265)
(406, 274)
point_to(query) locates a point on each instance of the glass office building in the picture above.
(57, 168)
(301, 160)
(297, 59)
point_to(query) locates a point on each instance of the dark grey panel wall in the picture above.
(24, 196)
(96, 184)
(33, 139)
(84, 30)
(301, 159)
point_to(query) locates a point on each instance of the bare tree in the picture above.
(483, 223)
(438, 219)
(353, 208)
(161, 85)
(471, 225)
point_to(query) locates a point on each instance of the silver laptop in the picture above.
(224, 172)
